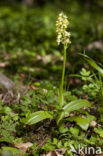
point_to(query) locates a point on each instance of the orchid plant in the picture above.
(63, 37)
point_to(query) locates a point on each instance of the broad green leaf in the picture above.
(89, 117)
(72, 106)
(37, 117)
(75, 105)
(74, 131)
(63, 129)
(82, 122)
(99, 130)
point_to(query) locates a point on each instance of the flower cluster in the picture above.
(61, 25)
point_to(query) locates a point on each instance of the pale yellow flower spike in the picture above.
(61, 25)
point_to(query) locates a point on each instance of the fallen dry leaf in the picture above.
(56, 152)
(33, 87)
(53, 153)
(22, 75)
(3, 64)
(24, 146)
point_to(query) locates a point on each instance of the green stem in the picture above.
(62, 81)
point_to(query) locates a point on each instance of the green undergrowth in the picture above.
(30, 57)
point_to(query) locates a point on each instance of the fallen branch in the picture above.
(6, 82)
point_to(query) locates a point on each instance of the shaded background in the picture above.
(28, 38)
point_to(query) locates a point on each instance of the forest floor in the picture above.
(30, 58)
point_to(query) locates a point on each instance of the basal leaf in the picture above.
(82, 122)
(37, 117)
(75, 105)
(72, 106)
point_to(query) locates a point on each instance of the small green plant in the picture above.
(64, 108)
(8, 124)
(92, 81)
(90, 87)
(96, 79)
